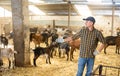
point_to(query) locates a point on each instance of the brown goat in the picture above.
(75, 44)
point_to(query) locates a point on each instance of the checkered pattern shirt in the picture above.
(89, 41)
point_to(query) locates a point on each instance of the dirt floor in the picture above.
(61, 67)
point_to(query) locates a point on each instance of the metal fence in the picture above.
(103, 70)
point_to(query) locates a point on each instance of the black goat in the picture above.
(53, 40)
(113, 41)
(118, 45)
(65, 48)
(43, 50)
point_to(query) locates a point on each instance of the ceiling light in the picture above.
(36, 10)
(83, 10)
(94, 1)
(36, 1)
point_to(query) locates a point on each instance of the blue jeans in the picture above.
(89, 62)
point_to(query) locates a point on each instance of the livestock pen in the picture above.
(104, 70)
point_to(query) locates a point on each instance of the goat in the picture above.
(9, 53)
(4, 40)
(117, 45)
(65, 48)
(38, 38)
(75, 44)
(113, 41)
(53, 39)
(43, 50)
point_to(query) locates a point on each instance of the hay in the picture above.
(61, 67)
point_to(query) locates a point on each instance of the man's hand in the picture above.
(96, 52)
(60, 40)
(68, 39)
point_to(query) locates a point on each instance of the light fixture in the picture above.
(36, 1)
(83, 10)
(95, 1)
(35, 10)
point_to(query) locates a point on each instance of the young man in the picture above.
(90, 37)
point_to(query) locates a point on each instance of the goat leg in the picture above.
(49, 59)
(71, 54)
(14, 64)
(34, 62)
(52, 53)
(67, 55)
(35, 58)
(105, 50)
(59, 53)
(1, 62)
(9, 64)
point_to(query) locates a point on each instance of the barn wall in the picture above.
(105, 24)
(102, 22)
(5, 25)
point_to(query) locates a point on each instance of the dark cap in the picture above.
(90, 19)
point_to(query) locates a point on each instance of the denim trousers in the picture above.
(82, 62)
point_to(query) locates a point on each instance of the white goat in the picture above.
(9, 53)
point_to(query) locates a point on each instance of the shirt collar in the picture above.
(89, 30)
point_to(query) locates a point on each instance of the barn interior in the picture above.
(19, 16)
(65, 13)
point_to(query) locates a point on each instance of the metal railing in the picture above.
(102, 70)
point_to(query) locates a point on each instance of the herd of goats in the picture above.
(51, 35)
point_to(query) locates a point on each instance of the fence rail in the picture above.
(102, 70)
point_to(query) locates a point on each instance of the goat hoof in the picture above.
(35, 65)
(104, 52)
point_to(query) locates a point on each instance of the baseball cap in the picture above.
(90, 18)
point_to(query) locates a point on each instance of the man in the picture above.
(90, 37)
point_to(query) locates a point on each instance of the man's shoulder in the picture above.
(83, 28)
(96, 30)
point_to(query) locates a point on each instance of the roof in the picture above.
(66, 7)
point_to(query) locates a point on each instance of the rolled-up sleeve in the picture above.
(77, 35)
(101, 37)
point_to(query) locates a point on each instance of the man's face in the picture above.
(88, 23)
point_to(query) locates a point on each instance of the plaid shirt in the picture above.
(89, 41)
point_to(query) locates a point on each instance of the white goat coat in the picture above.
(8, 53)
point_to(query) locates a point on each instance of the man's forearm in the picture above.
(101, 47)
(76, 36)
